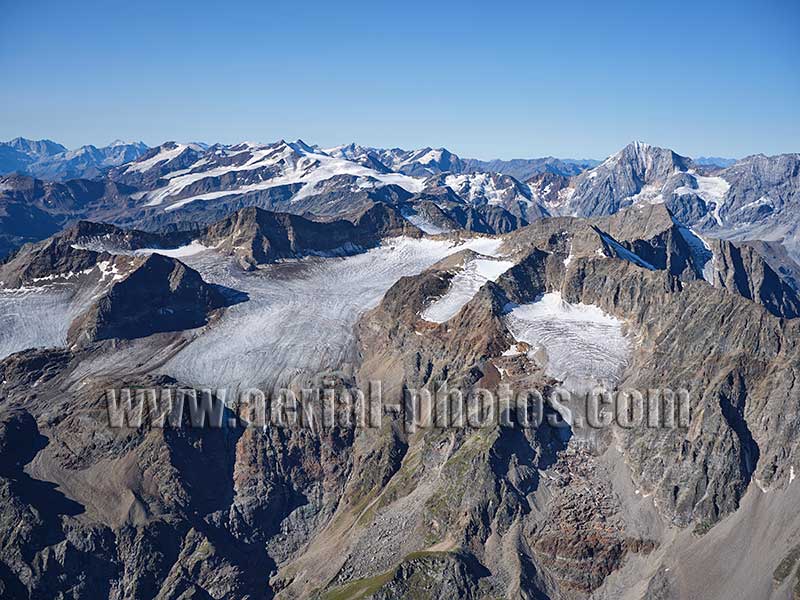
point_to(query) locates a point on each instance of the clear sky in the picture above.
(486, 79)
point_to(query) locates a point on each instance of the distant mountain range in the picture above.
(46, 159)
(175, 184)
(286, 265)
(714, 161)
(49, 160)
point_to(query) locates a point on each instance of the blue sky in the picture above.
(488, 79)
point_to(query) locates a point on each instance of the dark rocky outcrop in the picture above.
(53, 257)
(158, 294)
(257, 236)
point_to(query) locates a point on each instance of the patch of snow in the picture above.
(568, 260)
(583, 345)
(651, 194)
(563, 197)
(188, 250)
(710, 189)
(463, 287)
(109, 269)
(60, 276)
(791, 474)
(513, 350)
(763, 201)
(624, 253)
(421, 222)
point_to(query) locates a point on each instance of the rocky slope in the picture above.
(344, 511)
(257, 237)
(753, 199)
(32, 209)
(156, 294)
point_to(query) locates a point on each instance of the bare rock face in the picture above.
(741, 268)
(158, 294)
(610, 186)
(737, 361)
(145, 512)
(650, 236)
(53, 257)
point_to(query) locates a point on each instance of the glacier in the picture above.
(583, 346)
(300, 315)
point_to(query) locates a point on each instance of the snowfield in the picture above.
(475, 187)
(300, 314)
(710, 189)
(582, 346)
(190, 249)
(463, 287)
(36, 317)
(162, 157)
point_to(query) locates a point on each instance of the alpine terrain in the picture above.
(280, 370)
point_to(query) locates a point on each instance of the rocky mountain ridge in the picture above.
(485, 512)
(175, 183)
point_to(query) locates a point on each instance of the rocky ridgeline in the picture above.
(258, 237)
(388, 513)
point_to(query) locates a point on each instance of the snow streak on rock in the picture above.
(463, 287)
(284, 164)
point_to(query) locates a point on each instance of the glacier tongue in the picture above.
(702, 253)
(583, 346)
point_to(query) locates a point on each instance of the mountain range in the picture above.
(754, 198)
(234, 268)
(48, 160)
